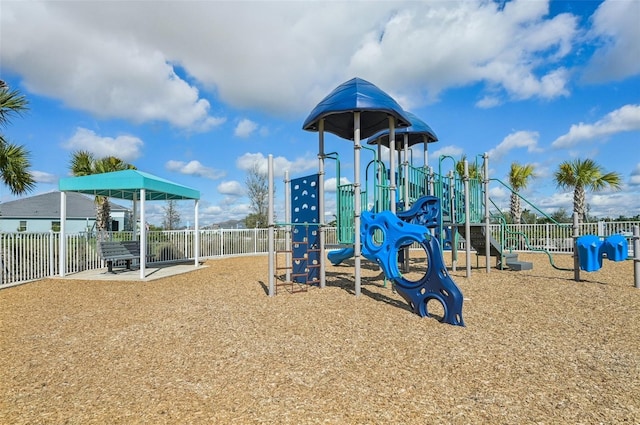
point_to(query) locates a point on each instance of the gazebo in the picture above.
(132, 185)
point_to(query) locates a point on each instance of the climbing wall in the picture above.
(305, 217)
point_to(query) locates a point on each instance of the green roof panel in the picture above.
(127, 183)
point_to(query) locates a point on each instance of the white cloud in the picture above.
(615, 27)
(621, 120)
(330, 184)
(216, 213)
(440, 48)
(126, 147)
(144, 62)
(245, 128)
(232, 188)
(280, 164)
(194, 168)
(519, 139)
(109, 72)
(450, 150)
(634, 180)
(43, 177)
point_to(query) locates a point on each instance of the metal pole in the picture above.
(576, 259)
(406, 171)
(321, 201)
(287, 219)
(271, 227)
(357, 206)
(392, 165)
(406, 192)
(636, 256)
(467, 224)
(426, 151)
(380, 179)
(454, 226)
(487, 219)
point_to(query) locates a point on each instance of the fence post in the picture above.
(51, 254)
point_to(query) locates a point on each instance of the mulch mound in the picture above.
(209, 346)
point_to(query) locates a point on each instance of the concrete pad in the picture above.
(152, 272)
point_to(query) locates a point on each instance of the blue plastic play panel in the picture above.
(305, 216)
(383, 235)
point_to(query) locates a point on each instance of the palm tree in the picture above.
(83, 163)
(519, 176)
(14, 159)
(581, 175)
(474, 170)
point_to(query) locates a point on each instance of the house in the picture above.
(41, 213)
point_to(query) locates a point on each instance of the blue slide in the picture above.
(338, 256)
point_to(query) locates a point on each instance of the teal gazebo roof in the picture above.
(127, 183)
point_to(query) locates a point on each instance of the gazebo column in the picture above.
(196, 239)
(143, 234)
(63, 245)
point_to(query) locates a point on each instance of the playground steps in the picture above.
(504, 259)
(511, 261)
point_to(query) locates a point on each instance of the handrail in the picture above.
(527, 201)
(504, 230)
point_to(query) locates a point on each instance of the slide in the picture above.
(338, 256)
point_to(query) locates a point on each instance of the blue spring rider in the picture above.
(591, 250)
(384, 235)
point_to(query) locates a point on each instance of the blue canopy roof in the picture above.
(124, 184)
(356, 95)
(417, 132)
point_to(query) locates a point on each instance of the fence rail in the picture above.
(31, 256)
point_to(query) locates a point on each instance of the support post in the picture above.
(636, 256)
(406, 192)
(357, 200)
(454, 223)
(143, 234)
(196, 229)
(576, 259)
(487, 218)
(392, 165)
(321, 227)
(271, 228)
(467, 224)
(287, 220)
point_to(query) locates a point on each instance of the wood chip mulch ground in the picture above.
(210, 347)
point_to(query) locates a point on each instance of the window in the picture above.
(22, 227)
(55, 226)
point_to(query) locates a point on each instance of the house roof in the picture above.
(127, 184)
(47, 205)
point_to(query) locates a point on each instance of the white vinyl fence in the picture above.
(31, 256)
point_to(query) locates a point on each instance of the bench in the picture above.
(111, 251)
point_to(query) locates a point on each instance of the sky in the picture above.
(197, 92)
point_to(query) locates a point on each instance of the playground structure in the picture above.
(404, 205)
